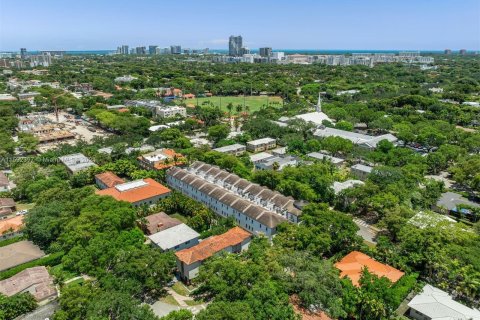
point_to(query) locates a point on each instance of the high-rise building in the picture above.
(125, 49)
(152, 49)
(176, 49)
(235, 44)
(23, 53)
(141, 50)
(265, 52)
(448, 51)
(463, 51)
(244, 50)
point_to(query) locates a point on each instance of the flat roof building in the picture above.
(276, 163)
(138, 192)
(261, 144)
(233, 149)
(321, 156)
(76, 162)
(261, 156)
(175, 238)
(363, 140)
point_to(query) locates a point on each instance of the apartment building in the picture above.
(189, 260)
(261, 144)
(255, 208)
(234, 149)
(167, 112)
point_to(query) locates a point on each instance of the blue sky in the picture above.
(293, 24)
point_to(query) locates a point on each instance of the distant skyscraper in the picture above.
(152, 49)
(23, 53)
(448, 51)
(265, 52)
(175, 49)
(141, 50)
(463, 51)
(125, 49)
(235, 44)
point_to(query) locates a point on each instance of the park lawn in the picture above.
(254, 102)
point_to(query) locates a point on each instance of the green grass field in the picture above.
(254, 102)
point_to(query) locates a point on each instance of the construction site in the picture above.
(53, 129)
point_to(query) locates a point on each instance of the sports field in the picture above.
(253, 102)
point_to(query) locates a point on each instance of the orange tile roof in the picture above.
(212, 245)
(13, 224)
(109, 179)
(352, 264)
(151, 190)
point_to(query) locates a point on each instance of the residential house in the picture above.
(11, 227)
(34, 280)
(361, 171)
(261, 144)
(352, 265)
(435, 304)
(157, 222)
(161, 159)
(4, 183)
(138, 192)
(189, 260)
(107, 179)
(7, 206)
(340, 186)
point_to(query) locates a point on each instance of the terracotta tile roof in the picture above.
(158, 222)
(36, 280)
(109, 179)
(11, 225)
(212, 245)
(352, 264)
(150, 190)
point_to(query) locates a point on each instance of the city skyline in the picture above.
(342, 25)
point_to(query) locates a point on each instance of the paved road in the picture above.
(365, 231)
(41, 313)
